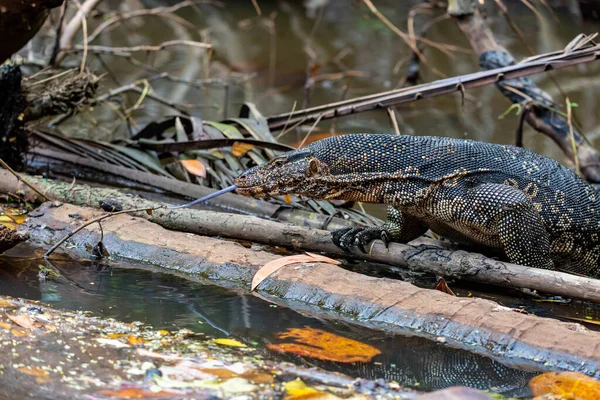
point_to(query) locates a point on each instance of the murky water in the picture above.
(266, 63)
(168, 302)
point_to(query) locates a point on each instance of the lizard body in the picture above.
(499, 197)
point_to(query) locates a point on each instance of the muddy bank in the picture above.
(478, 325)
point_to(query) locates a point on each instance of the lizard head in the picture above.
(297, 172)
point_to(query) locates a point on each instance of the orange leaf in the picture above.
(194, 167)
(442, 286)
(315, 343)
(138, 393)
(22, 320)
(18, 332)
(238, 149)
(34, 371)
(274, 265)
(5, 325)
(287, 198)
(565, 385)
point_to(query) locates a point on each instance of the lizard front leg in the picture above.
(399, 227)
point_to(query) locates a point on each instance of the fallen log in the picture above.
(477, 325)
(431, 259)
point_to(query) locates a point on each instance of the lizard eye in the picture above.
(313, 167)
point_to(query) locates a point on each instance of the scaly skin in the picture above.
(504, 198)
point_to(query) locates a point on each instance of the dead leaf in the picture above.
(229, 342)
(565, 385)
(138, 393)
(134, 340)
(316, 343)
(194, 167)
(238, 149)
(5, 325)
(442, 286)
(149, 211)
(34, 371)
(274, 265)
(4, 303)
(22, 320)
(297, 390)
(18, 332)
(287, 198)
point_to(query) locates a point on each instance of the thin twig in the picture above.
(392, 115)
(133, 49)
(58, 33)
(93, 221)
(572, 135)
(19, 178)
(309, 132)
(84, 29)
(73, 26)
(146, 12)
(257, 7)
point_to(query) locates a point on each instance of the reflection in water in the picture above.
(169, 302)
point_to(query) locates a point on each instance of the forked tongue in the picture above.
(205, 198)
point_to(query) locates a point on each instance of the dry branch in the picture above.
(436, 260)
(539, 110)
(541, 63)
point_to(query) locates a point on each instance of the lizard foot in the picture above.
(359, 237)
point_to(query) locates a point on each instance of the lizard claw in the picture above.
(385, 238)
(359, 237)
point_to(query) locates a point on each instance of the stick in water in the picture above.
(205, 198)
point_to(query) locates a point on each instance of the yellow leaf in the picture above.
(194, 167)
(238, 149)
(4, 303)
(297, 388)
(565, 385)
(163, 332)
(287, 198)
(316, 343)
(22, 320)
(229, 342)
(274, 265)
(584, 320)
(5, 325)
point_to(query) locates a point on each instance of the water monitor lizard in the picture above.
(506, 198)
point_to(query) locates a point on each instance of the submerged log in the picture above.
(437, 260)
(477, 325)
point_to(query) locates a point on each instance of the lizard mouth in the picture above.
(258, 191)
